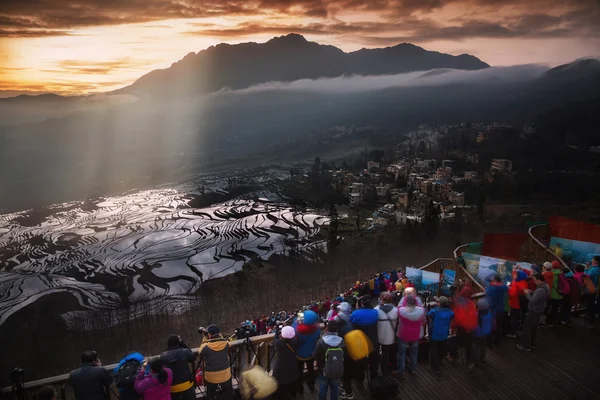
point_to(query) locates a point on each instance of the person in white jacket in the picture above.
(387, 326)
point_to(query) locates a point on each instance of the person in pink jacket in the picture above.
(409, 332)
(157, 384)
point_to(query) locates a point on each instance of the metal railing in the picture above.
(538, 234)
(245, 358)
(262, 345)
(440, 264)
(458, 252)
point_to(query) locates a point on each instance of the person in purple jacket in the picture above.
(157, 384)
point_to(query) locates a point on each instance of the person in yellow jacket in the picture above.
(214, 351)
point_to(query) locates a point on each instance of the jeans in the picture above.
(189, 394)
(565, 310)
(374, 364)
(437, 351)
(226, 393)
(553, 311)
(414, 352)
(515, 320)
(310, 366)
(479, 350)
(325, 384)
(386, 359)
(530, 328)
(463, 338)
(499, 327)
(286, 391)
(590, 303)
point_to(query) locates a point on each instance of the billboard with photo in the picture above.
(579, 252)
(483, 268)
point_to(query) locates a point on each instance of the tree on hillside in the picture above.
(333, 227)
(431, 221)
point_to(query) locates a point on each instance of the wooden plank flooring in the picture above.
(564, 365)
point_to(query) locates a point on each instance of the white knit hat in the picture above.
(288, 332)
(548, 265)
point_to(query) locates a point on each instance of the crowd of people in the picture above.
(373, 330)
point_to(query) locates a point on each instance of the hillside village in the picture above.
(403, 185)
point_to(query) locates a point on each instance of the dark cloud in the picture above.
(404, 18)
(31, 33)
(98, 67)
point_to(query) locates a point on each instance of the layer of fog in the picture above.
(437, 77)
(28, 109)
(36, 109)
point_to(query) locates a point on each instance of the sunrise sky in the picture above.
(83, 46)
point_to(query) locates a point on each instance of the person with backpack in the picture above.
(495, 293)
(537, 305)
(440, 319)
(387, 326)
(516, 296)
(125, 374)
(589, 291)
(155, 385)
(178, 358)
(286, 366)
(90, 381)
(330, 353)
(465, 322)
(594, 274)
(409, 333)
(366, 319)
(485, 321)
(571, 297)
(214, 351)
(556, 293)
(308, 332)
(350, 366)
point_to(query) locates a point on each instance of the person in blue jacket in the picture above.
(495, 295)
(482, 332)
(308, 333)
(440, 319)
(365, 319)
(377, 289)
(126, 392)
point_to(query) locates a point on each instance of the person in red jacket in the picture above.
(516, 294)
(465, 322)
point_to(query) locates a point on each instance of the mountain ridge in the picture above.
(286, 58)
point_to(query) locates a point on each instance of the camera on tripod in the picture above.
(17, 376)
(424, 293)
(17, 379)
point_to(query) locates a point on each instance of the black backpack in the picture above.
(382, 388)
(334, 363)
(126, 374)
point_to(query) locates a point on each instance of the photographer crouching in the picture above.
(214, 350)
(178, 358)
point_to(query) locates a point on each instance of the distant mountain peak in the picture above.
(291, 38)
(286, 58)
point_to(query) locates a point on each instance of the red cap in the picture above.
(556, 265)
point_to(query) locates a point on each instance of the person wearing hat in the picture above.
(440, 319)
(178, 358)
(90, 381)
(308, 332)
(536, 305)
(366, 319)
(214, 350)
(482, 332)
(286, 365)
(556, 295)
(330, 354)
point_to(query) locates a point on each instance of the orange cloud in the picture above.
(91, 45)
